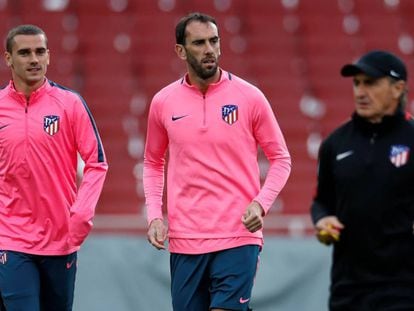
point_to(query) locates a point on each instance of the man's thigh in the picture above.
(190, 282)
(221, 280)
(57, 275)
(232, 274)
(19, 281)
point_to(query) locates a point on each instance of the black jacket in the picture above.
(366, 179)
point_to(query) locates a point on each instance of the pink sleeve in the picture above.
(154, 163)
(272, 142)
(90, 148)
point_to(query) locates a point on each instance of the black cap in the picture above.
(377, 64)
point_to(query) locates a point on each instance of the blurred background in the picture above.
(118, 53)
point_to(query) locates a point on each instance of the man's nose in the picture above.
(209, 48)
(34, 58)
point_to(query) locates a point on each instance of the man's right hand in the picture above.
(157, 233)
(328, 229)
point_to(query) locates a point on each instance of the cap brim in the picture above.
(351, 70)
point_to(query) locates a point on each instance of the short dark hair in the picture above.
(182, 24)
(22, 30)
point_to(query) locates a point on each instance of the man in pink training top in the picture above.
(44, 216)
(211, 122)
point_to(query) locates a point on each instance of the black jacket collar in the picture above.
(387, 123)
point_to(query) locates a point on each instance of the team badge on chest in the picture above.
(399, 155)
(230, 113)
(51, 124)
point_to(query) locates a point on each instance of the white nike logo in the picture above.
(242, 300)
(394, 74)
(343, 155)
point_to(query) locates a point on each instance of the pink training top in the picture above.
(41, 210)
(213, 172)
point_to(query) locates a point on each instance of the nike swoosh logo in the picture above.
(175, 118)
(70, 264)
(343, 155)
(243, 300)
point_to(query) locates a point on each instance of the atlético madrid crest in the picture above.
(51, 124)
(230, 113)
(399, 155)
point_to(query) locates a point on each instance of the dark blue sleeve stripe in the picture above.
(101, 157)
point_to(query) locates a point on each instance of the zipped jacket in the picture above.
(42, 211)
(366, 178)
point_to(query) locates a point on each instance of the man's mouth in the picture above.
(34, 69)
(210, 61)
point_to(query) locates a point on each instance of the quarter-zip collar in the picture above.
(224, 77)
(44, 88)
(388, 122)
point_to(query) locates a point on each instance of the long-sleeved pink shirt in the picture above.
(213, 172)
(41, 209)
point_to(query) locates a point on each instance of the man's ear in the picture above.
(7, 58)
(399, 88)
(181, 52)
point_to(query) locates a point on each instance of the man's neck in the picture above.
(203, 84)
(27, 89)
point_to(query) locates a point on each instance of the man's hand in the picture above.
(157, 233)
(328, 229)
(253, 217)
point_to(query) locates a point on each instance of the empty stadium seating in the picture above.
(110, 50)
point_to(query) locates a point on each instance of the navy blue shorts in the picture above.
(34, 282)
(222, 280)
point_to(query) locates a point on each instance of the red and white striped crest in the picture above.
(3, 257)
(51, 124)
(399, 155)
(230, 113)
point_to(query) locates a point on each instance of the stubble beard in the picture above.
(201, 72)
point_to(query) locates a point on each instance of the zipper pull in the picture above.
(372, 140)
